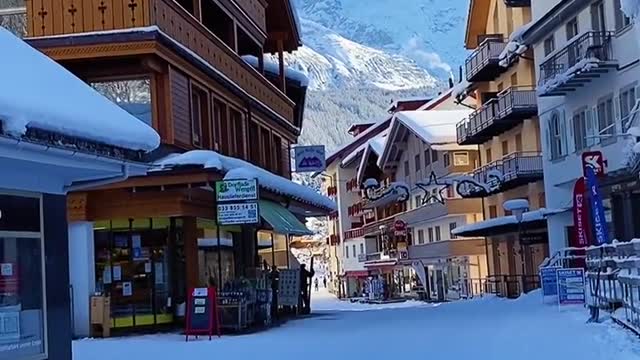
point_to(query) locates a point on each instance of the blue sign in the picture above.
(571, 286)
(549, 279)
(599, 220)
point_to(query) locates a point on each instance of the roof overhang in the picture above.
(283, 25)
(476, 22)
(48, 169)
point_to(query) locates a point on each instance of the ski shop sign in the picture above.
(310, 158)
(571, 286)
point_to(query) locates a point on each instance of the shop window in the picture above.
(237, 133)
(254, 140)
(134, 96)
(221, 126)
(22, 310)
(438, 233)
(460, 159)
(266, 149)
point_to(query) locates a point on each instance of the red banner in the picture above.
(580, 216)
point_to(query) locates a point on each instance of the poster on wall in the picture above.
(289, 287)
(127, 288)
(117, 273)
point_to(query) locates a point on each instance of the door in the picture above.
(598, 17)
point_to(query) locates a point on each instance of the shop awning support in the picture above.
(288, 250)
(273, 251)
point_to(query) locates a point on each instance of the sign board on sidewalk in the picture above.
(289, 287)
(549, 279)
(236, 190)
(202, 313)
(238, 213)
(310, 158)
(571, 286)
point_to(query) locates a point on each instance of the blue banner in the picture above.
(599, 221)
(549, 279)
(571, 286)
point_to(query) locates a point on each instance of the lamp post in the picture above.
(518, 207)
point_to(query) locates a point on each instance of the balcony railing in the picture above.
(517, 3)
(82, 16)
(513, 170)
(498, 115)
(584, 59)
(483, 63)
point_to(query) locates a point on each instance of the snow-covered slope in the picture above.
(333, 61)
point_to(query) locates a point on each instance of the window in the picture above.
(446, 160)
(598, 22)
(438, 234)
(427, 158)
(196, 117)
(493, 212)
(266, 149)
(354, 251)
(420, 237)
(460, 159)
(514, 79)
(222, 127)
(622, 21)
(417, 162)
(500, 86)
(452, 227)
(254, 151)
(237, 133)
(434, 155)
(346, 252)
(627, 102)
(519, 142)
(556, 133)
(361, 248)
(505, 147)
(406, 168)
(606, 120)
(418, 201)
(549, 45)
(488, 152)
(580, 130)
(572, 28)
(134, 96)
(430, 231)
(22, 289)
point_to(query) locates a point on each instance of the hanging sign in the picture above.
(599, 221)
(580, 216)
(310, 158)
(571, 286)
(595, 161)
(400, 228)
(202, 313)
(238, 213)
(236, 190)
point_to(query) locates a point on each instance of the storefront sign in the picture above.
(571, 286)
(202, 313)
(599, 221)
(400, 228)
(549, 279)
(580, 216)
(236, 190)
(310, 158)
(238, 214)
(593, 160)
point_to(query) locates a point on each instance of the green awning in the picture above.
(282, 220)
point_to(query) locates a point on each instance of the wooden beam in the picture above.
(282, 77)
(190, 229)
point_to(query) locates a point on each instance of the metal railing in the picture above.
(511, 286)
(517, 98)
(487, 52)
(511, 167)
(591, 45)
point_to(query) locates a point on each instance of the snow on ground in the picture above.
(323, 301)
(483, 329)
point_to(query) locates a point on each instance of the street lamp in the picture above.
(518, 207)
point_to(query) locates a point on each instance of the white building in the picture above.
(588, 74)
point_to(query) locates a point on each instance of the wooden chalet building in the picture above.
(185, 68)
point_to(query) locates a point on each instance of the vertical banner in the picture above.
(580, 216)
(599, 221)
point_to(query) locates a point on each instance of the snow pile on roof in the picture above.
(376, 145)
(515, 47)
(36, 92)
(435, 127)
(394, 104)
(461, 89)
(240, 169)
(516, 204)
(529, 216)
(558, 80)
(274, 67)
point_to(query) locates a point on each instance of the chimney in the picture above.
(450, 83)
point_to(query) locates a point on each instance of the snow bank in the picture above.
(240, 169)
(324, 301)
(36, 92)
(274, 67)
(516, 204)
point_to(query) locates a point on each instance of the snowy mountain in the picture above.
(360, 56)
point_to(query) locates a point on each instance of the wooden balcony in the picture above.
(47, 18)
(498, 115)
(583, 60)
(517, 3)
(483, 63)
(515, 170)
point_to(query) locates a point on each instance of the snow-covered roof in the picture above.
(274, 67)
(394, 104)
(436, 127)
(527, 217)
(36, 92)
(240, 169)
(461, 89)
(363, 135)
(376, 145)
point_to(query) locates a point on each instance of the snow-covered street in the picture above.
(490, 328)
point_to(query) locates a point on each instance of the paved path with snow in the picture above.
(485, 329)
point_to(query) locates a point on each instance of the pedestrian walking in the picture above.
(317, 284)
(324, 282)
